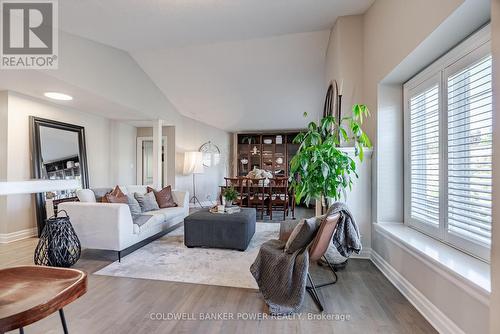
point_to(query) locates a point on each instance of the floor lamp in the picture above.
(193, 164)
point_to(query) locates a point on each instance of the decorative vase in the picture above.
(58, 245)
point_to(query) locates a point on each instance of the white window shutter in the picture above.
(469, 127)
(424, 156)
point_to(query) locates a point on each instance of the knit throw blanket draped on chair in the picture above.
(282, 277)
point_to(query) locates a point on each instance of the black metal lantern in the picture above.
(58, 245)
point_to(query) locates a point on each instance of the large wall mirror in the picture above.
(58, 153)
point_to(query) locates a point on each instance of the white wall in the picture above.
(20, 208)
(399, 38)
(344, 59)
(3, 154)
(392, 29)
(394, 33)
(431, 289)
(189, 136)
(495, 249)
(123, 149)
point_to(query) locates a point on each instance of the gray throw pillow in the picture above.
(133, 204)
(147, 201)
(302, 234)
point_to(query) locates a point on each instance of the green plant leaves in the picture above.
(320, 168)
(325, 169)
(230, 194)
(359, 111)
(343, 132)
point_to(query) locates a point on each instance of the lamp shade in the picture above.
(193, 163)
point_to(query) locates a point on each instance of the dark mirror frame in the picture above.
(36, 158)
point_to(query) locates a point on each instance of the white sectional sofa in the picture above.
(109, 226)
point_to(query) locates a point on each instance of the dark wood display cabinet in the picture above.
(269, 151)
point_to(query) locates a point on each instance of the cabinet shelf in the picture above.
(268, 151)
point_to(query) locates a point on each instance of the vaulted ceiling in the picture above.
(234, 64)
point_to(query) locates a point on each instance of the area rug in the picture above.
(167, 259)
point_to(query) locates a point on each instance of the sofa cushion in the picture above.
(99, 193)
(116, 196)
(164, 197)
(153, 221)
(141, 219)
(85, 195)
(133, 204)
(169, 213)
(147, 201)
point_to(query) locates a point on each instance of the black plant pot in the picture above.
(58, 245)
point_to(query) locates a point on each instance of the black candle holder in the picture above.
(59, 245)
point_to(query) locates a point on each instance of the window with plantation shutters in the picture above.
(424, 147)
(470, 151)
(448, 147)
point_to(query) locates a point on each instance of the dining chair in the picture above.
(279, 181)
(232, 181)
(279, 198)
(238, 183)
(256, 194)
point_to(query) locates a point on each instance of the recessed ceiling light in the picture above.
(58, 96)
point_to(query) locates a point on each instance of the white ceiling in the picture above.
(134, 25)
(258, 84)
(36, 83)
(233, 64)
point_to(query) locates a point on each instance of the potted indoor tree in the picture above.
(320, 170)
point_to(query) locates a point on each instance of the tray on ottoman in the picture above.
(233, 231)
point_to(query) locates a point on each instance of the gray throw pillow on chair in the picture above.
(302, 234)
(147, 201)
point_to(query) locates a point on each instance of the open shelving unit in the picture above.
(269, 151)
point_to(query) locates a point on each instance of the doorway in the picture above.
(145, 161)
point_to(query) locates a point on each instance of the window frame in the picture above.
(460, 57)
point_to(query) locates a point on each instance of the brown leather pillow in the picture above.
(116, 196)
(164, 197)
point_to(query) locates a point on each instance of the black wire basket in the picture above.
(58, 245)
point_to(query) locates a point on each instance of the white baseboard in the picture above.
(366, 253)
(18, 235)
(429, 311)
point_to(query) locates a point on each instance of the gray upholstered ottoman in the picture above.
(234, 231)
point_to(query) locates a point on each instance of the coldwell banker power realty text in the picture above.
(29, 35)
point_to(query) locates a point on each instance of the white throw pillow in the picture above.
(85, 195)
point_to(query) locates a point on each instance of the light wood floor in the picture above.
(124, 305)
